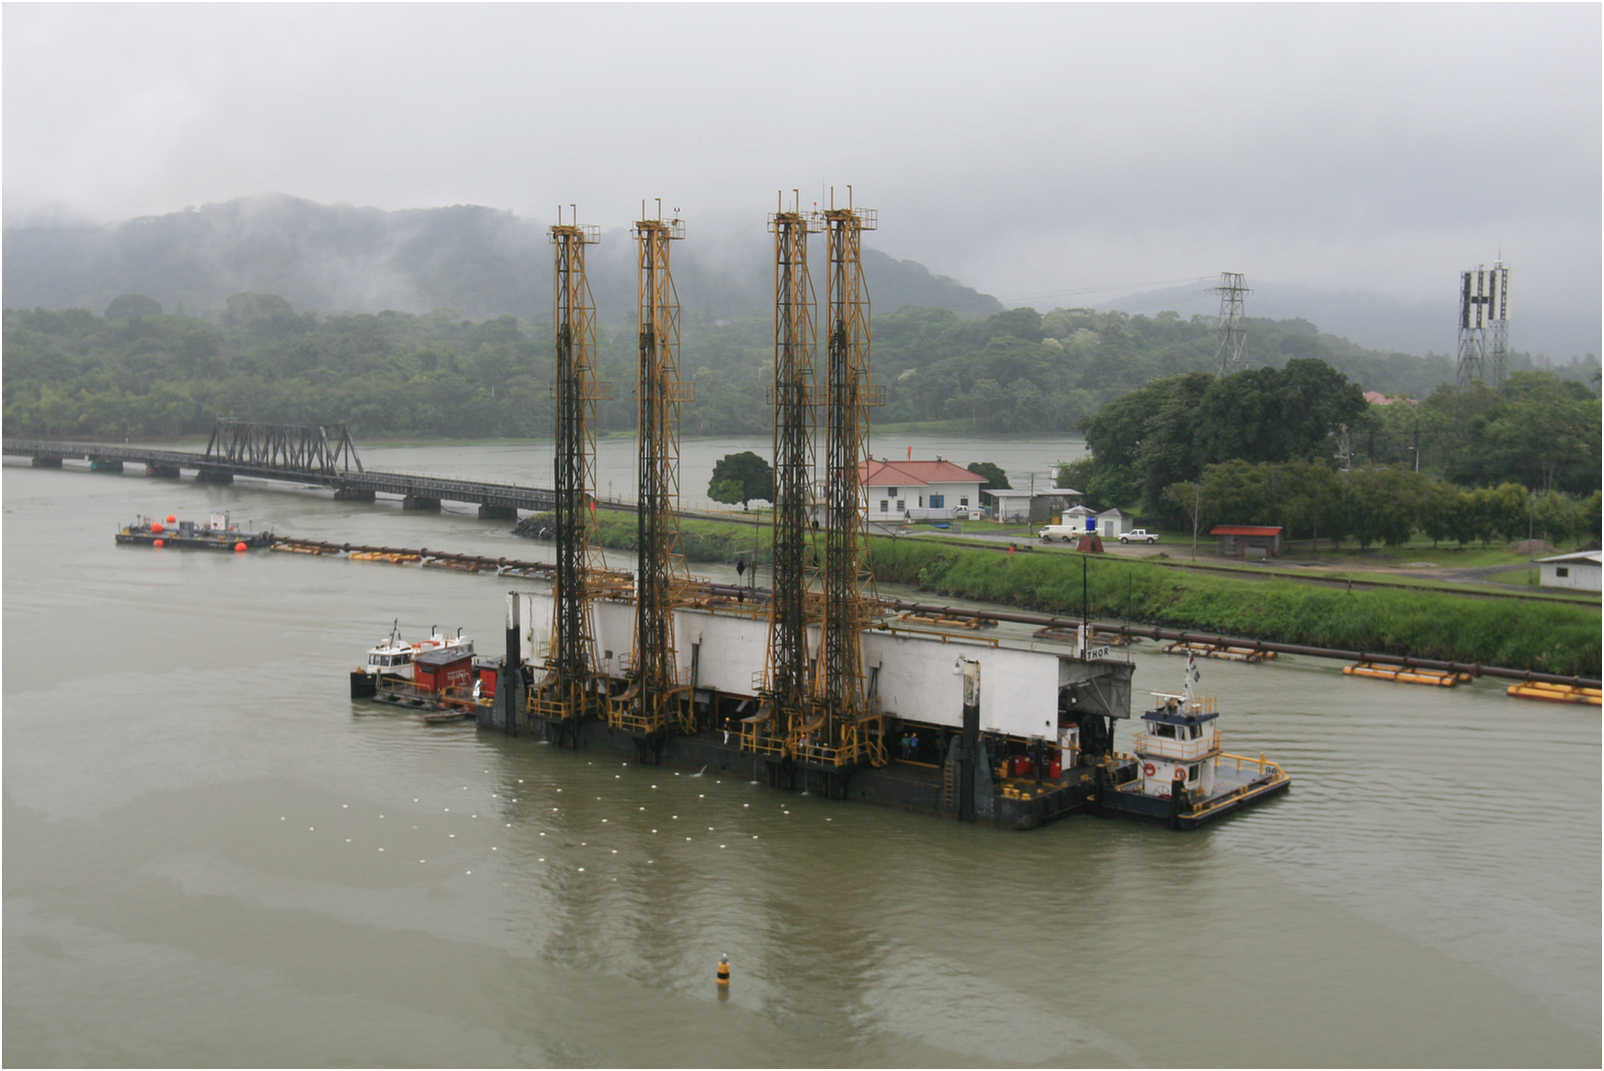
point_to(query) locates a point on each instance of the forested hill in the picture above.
(478, 262)
(139, 371)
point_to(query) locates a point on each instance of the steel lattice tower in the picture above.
(570, 664)
(654, 696)
(839, 680)
(786, 684)
(1233, 331)
(1483, 325)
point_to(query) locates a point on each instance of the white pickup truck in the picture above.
(1139, 535)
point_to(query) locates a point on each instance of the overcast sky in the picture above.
(1048, 154)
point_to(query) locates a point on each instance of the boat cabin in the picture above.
(443, 669)
(1178, 743)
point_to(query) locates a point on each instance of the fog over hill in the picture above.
(479, 262)
(483, 262)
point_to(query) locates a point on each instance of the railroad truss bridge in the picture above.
(298, 453)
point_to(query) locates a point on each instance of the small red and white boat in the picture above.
(393, 662)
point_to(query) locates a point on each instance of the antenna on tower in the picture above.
(1232, 324)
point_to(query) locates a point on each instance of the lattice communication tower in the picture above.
(1484, 325)
(1232, 323)
(654, 699)
(786, 685)
(566, 691)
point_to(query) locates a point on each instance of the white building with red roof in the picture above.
(919, 490)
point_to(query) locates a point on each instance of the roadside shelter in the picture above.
(1248, 541)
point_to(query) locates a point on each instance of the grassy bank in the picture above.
(1547, 637)
(699, 541)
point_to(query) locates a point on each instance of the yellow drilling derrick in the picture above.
(843, 726)
(569, 689)
(787, 684)
(653, 700)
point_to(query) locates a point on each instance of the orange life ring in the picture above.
(1180, 773)
(1148, 768)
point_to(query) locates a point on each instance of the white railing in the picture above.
(1180, 750)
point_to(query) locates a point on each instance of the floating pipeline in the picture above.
(1049, 626)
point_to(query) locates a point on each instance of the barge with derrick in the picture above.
(955, 724)
(218, 533)
(818, 688)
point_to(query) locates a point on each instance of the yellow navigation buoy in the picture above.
(724, 970)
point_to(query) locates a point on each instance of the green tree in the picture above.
(996, 479)
(125, 306)
(740, 478)
(1383, 504)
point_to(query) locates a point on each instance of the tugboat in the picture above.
(1182, 776)
(390, 666)
(216, 534)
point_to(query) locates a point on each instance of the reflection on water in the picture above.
(213, 849)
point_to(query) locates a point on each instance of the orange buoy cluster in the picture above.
(172, 519)
(239, 548)
(1555, 693)
(1440, 678)
(159, 543)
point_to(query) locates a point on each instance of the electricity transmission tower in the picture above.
(1233, 328)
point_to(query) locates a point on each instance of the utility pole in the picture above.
(1197, 507)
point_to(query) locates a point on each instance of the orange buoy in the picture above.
(239, 548)
(155, 526)
(724, 970)
(171, 519)
(159, 543)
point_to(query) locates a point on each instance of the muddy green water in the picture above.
(212, 857)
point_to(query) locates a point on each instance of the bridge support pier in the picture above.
(421, 504)
(102, 465)
(215, 474)
(166, 472)
(487, 512)
(352, 494)
(47, 462)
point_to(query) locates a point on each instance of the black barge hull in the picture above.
(921, 788)
(194, 542)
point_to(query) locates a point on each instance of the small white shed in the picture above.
(1082, 518)
(1580, 570)
(1113, 523)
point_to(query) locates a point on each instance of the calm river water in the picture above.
(212, 857)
